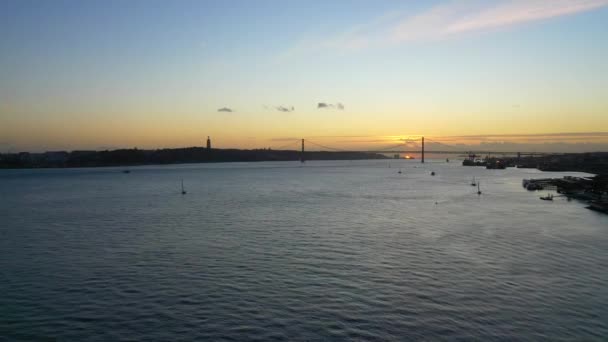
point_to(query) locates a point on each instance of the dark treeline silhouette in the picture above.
(126, 157)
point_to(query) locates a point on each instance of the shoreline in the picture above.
(189, 155)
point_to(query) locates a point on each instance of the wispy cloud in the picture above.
(225, 109)
(285, 109)
(326, 137)
(563, 136)
(445, 20)
(521, 11)
(325, 105)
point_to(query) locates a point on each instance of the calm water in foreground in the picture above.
(275, 251)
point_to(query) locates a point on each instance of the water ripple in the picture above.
(272, 252)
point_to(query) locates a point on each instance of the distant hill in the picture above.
(126, 157)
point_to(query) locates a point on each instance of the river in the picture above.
(333, 250)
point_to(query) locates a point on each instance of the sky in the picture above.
(504, 74)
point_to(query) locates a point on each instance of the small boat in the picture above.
(126, 171)
(473, 182)
(447, 160)
(534, 186)
(432, 173)
(478, 189)
(549, 197)
(183, 191)
(399, 172)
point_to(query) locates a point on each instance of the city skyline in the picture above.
(155, 74)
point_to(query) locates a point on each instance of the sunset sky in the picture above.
(148, 74)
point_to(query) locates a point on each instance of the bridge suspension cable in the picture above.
(323, 146)
(402, 144)
(293, 143)
(388, 147)
(443, 144)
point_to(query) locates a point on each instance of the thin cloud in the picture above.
(326, 137)
(521, 11)
(445, 20)
(285, 139)
(325, 105)
(225, 109)
(583, 135)
(456, 17)
(285, 109)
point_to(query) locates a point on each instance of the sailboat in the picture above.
(183, 191)
(478, 189)
(473, 182)
(399, 171)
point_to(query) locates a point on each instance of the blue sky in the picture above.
(85, 74)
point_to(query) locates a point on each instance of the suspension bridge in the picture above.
(405, 147)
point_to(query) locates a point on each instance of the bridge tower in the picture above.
(302, 155)
(422, 150)
(518, 158)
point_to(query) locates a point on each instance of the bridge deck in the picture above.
(451, 152)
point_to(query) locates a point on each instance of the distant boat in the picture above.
(432, 173)
(473, 182)
(478, 188)
(447, 160)
(549, 197)
(126, 171)
(183, 191)
(399, 171)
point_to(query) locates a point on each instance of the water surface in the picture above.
(280, 251)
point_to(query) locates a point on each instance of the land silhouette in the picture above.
(131, 157)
